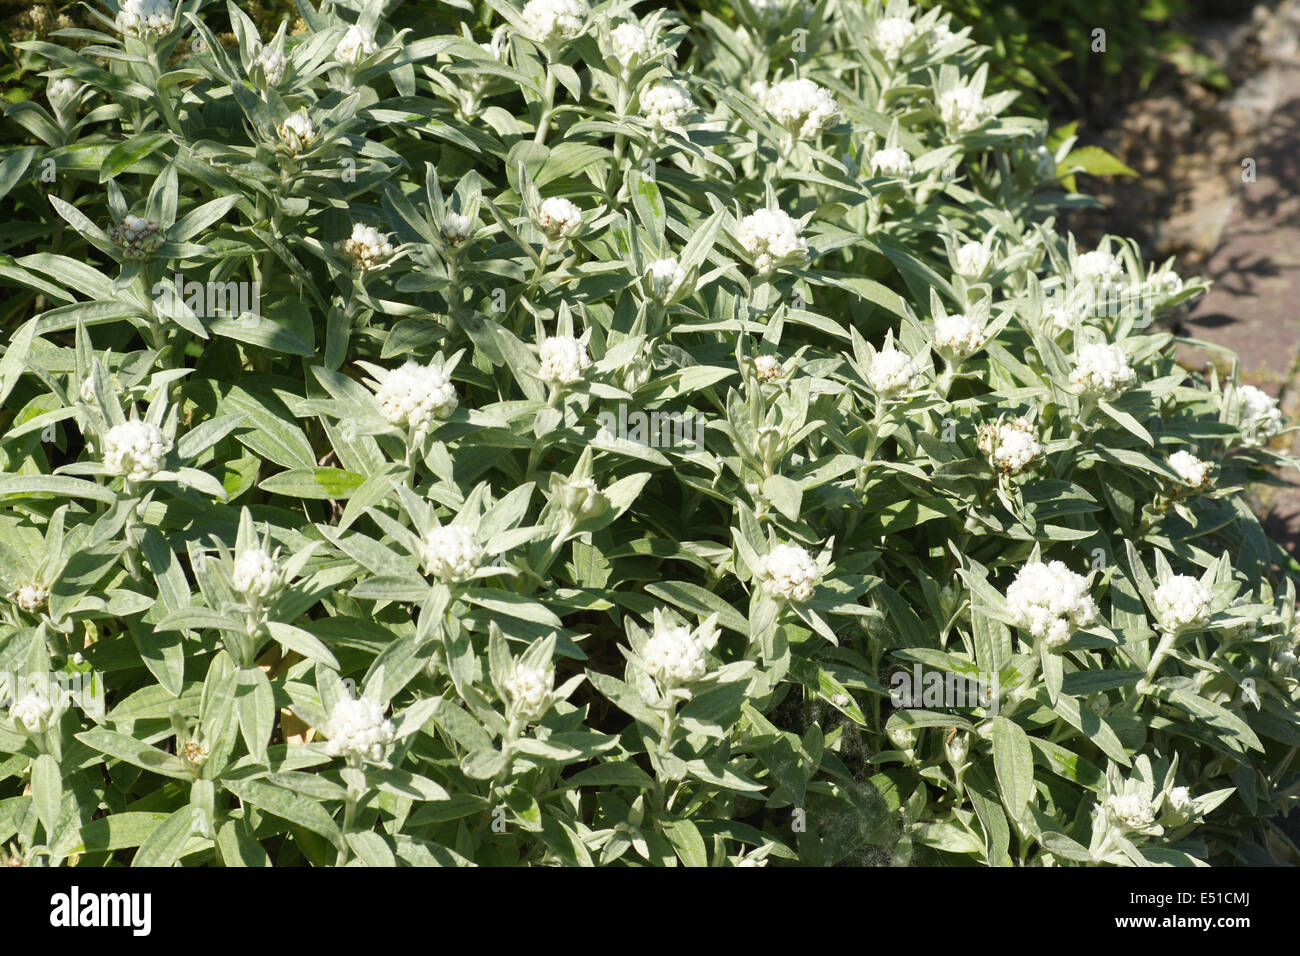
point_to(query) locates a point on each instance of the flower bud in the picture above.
(138, 237)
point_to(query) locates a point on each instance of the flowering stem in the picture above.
(548, 105)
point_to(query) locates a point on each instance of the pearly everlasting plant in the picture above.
(405, 516)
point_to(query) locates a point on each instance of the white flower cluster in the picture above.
(1011, 446)
(138, 237)
(768, 368)
(664, 277)
(357, 730)
(891, 372)
(272, 63)
(144, 18)
(60, 91)
(789, 573)
(893, 36)
(1261, 419)
(416, 395)
(357, 44)
(958, 335)
(675, 656)
(941, 34)
(1062, 319)
(1183, 602)
(1131, 811)
(1164, 283)
(530, 691)
(257, 574)
(801, 106)
(771, 239)
(963, 109)
(367, 246)
(553, 22)
(135, 450)
(31, 597)
(1190, 468)
(559, 218)
(769, 9)
(892, 161)
(630, 43)
(456, 228)
(33, 712)
(1179, 805)
(667, 104)
(451, 553)
(1050, 601)
(1097, 268)
(562, 359)
(297, 132)
(1101, 370)
(972, 260)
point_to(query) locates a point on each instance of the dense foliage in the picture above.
(562, 435)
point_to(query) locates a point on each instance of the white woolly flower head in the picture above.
(675, 656)
(891, 372)
(801, 106)
(1011, 446)
(1164, 283)
(768, 368)
(367, 247)
(456, 228)
(1190, 468)
(789, 573)
(34, 712)
(452, 553)
(963, 109)
(892, 161)
(1183, 603)
(664, 277)
(144, 18)
(941, 34)
(416, 395)
(971, 260)
(630, 42)
(357, 44)
(559, 218)
(61, 90)
(1179, 805)
(30, 597)
(552, 23)
(297, 132)
(562, 360)
(531, 691)
(358, 731)
(135, 450)
(772, 238)
(1050, 601)
(959, 335)
(272, 62)
(1098, 268)
(1261, 419)
(1131, 811)
(893, 35)
(257, 574)
(667, 104)
(1101, 370)
(138, 237)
